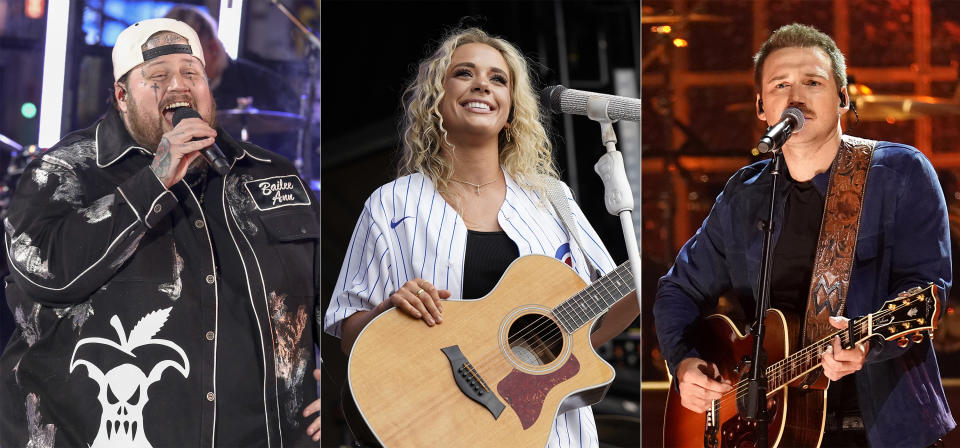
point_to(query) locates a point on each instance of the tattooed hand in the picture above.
(177, 150)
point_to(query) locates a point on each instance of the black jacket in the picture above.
(115, 287)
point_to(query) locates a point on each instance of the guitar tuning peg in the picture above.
(918, 338)
(902, 342)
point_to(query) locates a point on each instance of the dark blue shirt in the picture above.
(903, 242)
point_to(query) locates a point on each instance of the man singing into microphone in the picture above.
(158, 302)
(880, 394)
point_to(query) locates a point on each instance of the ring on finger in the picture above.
(420, 291)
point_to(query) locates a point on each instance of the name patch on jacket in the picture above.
(277, 191)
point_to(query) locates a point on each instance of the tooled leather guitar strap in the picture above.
(838, 239)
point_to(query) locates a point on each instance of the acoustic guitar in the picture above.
(796, 388)
(496, 372)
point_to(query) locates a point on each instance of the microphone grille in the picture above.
(550, 97)
(183, 112)
(793, 112)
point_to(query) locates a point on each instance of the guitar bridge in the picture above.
(470, 382)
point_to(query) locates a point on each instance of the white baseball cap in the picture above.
(127, 52)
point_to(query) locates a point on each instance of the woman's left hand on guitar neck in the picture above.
(838, 362)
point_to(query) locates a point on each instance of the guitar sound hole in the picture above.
(535, 339)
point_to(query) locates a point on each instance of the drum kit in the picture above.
(246, 119)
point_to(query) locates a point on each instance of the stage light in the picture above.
(33, 8)
(28, 110)
(679, 43)
(54, 62)
(231, 12)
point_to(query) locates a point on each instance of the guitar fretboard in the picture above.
(796, 365)
(595, 299)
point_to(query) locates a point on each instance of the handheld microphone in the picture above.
(791, 120)
(559, 99)
(213, 155)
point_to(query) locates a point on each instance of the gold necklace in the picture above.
(477, 186)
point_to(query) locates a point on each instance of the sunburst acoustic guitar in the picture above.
(797, 411)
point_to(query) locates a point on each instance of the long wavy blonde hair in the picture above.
(527, 157)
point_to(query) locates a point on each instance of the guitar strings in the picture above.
(597, 304)
(777, 367)
(792, 361)
(795, 360)
(525, 333)
(553, 332)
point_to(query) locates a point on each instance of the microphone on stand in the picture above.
(791, 120)
(213, 155)
(559, 99)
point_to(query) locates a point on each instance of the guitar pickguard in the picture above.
(739, 432)
(525, 393)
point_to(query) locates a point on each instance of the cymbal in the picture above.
(669, 19)
(257, 121)
(903, 107)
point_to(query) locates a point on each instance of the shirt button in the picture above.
(157, 208)
(211, 335)
(210, 396)
(210, 279)
(198, 223)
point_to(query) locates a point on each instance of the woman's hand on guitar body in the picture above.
(697, 389)
(420, 300)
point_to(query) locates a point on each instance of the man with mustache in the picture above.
(880, 394)
(179, 298)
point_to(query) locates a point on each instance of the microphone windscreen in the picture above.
(186, 112)
(550, 97)
(797, 116)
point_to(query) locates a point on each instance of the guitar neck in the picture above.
(596, 298)
(803, 361)
(907, 315)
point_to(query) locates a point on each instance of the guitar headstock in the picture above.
(910, 313)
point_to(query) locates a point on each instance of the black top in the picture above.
(794, 254)
(793, 261)
(486, 258)
(240, 408)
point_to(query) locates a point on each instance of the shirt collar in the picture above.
(113, 141)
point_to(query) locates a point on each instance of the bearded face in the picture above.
(155, 88)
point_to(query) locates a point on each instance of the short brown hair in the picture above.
(803, 36)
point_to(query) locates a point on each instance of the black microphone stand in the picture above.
(754, 406)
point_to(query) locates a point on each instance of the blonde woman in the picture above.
(475, 164)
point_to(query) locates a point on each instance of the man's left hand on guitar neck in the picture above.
(838, 362)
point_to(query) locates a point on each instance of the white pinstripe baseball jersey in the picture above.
(407, 230)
